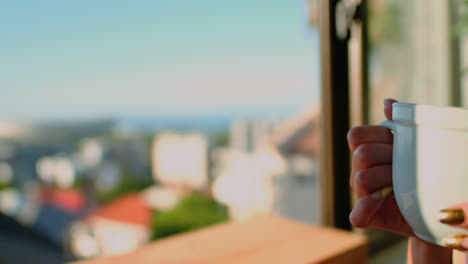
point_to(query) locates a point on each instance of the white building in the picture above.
(117, 228)
(278, 175)
(161, 198)
(180, 160)
(58, 171)
(91, 152)
(250, 135)
(245, 182)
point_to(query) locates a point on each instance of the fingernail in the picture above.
(451, 216)
(385, 192)
(382, 194)
(456, 242)
(386, 101)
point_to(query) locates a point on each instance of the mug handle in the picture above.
(390, 124)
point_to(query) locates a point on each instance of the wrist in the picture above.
(420, 251)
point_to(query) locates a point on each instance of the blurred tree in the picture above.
(221, 139)
(192, 212)
(79, 183)
(5, 185)
(129, 182)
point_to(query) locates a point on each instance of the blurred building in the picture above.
(23, 244)
(91, 152)
(72, 201)
(107, 176)
(116, 228)
(244, 182)
(250, 135)
(161, 198)
(299, 133)
(42, 214)
(7, 151)
(271, 169)
(15, 130)
(6, 173)
(297, 192)
(132, 154)
(180, 160)
(57, 171)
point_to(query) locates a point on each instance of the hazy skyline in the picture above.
(89, 59)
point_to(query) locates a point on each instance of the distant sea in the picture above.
(207, 123)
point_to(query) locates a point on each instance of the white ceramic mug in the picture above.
(430, 165)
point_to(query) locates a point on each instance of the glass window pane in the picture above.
(414, 56)
(409, 53)
(463, 29)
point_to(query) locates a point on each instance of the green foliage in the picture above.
(221, 139)
(4, 186)
(461, 27)
(79, 184)
(129, 182)
(191, 213)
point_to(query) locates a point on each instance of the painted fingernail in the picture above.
(386, 191)
(456, 242)
(382, 194)
(451, 216)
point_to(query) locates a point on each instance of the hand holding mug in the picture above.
(371, 178)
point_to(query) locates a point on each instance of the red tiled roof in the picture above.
(69, 200)
(129, 208)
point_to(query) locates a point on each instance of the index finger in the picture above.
(368, 134)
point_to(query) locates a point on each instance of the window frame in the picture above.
(335, 121)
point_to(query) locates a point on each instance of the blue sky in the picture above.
(87, 58)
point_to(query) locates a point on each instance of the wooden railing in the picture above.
(260, 240)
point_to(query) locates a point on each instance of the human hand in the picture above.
(371, 178)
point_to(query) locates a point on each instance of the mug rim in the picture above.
(449, 117)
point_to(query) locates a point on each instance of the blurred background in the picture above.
(122, 123)
(126, 122)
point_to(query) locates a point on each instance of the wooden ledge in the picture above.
(260, 240)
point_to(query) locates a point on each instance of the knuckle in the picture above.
(363, 155)
(362, 181)
(354, 135)
(356, 222)
(357, 218)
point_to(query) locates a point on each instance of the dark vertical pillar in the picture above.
(336, 203)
